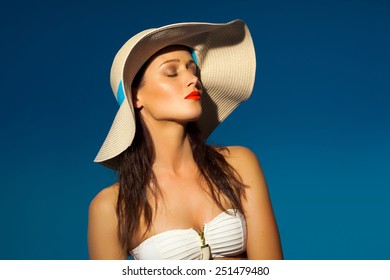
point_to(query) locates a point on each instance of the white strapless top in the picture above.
(225, 234)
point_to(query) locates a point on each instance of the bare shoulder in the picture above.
(103, 240)
(238, 153)
(263, 241)
(102, 208)
(105, 200)
(242, 159)
(246, 164)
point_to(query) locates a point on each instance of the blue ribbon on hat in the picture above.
(194, 56)
(120, 94)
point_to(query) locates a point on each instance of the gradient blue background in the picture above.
(318, 118)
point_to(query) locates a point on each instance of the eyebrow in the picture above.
(177, 60)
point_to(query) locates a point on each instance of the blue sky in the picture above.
(318, 118)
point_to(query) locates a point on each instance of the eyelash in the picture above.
(176, 74)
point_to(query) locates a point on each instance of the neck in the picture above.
(172, 148)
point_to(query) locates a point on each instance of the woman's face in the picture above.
(170, 89)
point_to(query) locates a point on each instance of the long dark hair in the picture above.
(137, 181)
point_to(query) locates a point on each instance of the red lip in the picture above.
(195, 95)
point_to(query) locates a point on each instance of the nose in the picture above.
(193, 80)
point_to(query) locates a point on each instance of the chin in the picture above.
(196, 117)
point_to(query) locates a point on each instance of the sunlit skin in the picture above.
(161, 98)
(169, 79)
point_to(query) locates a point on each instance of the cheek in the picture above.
(161, 97)
(166, 92)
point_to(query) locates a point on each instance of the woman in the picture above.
(177, 197)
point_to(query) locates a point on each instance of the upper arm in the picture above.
(263, 241)
(103, 242)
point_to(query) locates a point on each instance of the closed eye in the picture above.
(191, 65)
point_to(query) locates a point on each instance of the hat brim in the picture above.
(225, 55)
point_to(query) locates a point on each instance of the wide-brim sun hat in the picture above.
(226, 58)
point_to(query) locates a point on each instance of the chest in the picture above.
(183, 204)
